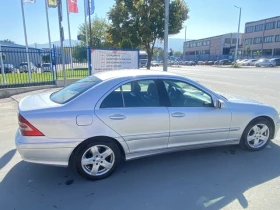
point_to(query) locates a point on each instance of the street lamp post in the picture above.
(166, 21)
(237, 40)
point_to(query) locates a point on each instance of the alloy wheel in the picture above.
(98, 160)
(258, 135)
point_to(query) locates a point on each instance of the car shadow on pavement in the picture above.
(198, 179)
(5, 159)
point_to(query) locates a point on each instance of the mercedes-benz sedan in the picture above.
(98, 121)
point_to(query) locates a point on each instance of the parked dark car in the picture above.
(277, 61)
(225, 62)
(191, 63)
(210, 63)
(8, 68)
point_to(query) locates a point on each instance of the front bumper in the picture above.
(43, 150)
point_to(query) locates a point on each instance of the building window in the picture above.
(267, 52)
(257, 40)
(207, 52)
(208, 42)
(268, 39)
(276, 52)
(270, 25)
(227, 41)
(249, 29)
(259, 27)
(277, 38)
(248, 41)
(278, 24)
(198, 44)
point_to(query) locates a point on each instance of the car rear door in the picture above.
(134, 111)
(193, 117)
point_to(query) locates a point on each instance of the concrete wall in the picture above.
(8, 92)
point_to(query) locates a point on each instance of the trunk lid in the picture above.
(37, 102)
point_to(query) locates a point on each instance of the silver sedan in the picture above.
(112, 116)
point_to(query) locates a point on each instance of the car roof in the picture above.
(130, 73)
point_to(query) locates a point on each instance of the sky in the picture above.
(206, 18)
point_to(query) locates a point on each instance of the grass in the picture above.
(23, 78)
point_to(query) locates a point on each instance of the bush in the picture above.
(236, 65)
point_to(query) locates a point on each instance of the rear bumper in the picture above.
(42, 150)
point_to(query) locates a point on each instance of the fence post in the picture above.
(2, 66)
(89, 61)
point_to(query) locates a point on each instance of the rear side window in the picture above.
(113, 100)
(72, 91)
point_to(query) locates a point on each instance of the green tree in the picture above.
(46, 58)
(99, 36)
(126, 44)
(142, 22)
(4, 56)
(178, 54)
(158, 54)
(79, 53)
(248, 50)
(8, 41)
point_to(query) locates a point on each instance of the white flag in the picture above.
(29, 1)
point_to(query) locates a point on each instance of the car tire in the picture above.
(256, 135)
(103, 166)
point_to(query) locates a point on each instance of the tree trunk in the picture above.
(150, 56)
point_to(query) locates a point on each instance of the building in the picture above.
(262, 37)
(211, 48)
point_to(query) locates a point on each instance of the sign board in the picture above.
(106, 60)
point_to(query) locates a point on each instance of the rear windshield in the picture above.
(68, 93)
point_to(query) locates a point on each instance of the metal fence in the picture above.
(206, 57)
(15, 71)
(45, 65)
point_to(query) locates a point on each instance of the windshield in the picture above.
(72, 91)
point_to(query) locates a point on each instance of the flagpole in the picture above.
(49, 34)
(70, 41)
(89, 20)
(26, 42)
(2, 66)
(85, 9)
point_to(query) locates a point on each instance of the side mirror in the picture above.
(220, 104)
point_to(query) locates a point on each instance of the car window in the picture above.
(113, 100)
(68, 93)
(142, 93)
(182, 94)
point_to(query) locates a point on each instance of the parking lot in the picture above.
(213, 178)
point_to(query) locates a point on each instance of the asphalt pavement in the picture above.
(213, 178)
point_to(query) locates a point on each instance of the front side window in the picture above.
(182, 94)
(141, 93)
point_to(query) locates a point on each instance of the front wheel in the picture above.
(256, 135)
(97, 159)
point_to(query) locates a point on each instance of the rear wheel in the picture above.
(257, 135)
(97, 159)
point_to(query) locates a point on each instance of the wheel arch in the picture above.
(266, 118)
(123, 154)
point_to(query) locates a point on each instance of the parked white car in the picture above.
(266, 63)
(250, 62)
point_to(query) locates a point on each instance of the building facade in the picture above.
(211, 48)
(262, 37)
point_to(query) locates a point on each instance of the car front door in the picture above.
(133, 110)
(193, 117)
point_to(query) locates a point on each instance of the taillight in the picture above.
(26, 128)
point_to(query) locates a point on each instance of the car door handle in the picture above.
(177, 114)
(117, 117)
